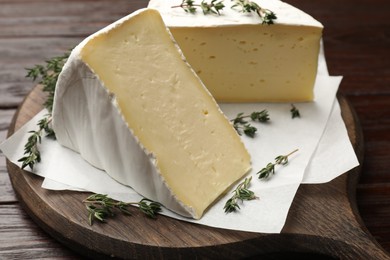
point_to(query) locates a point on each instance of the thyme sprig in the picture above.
(214, 7)
(100, 207)
(241, 193)
(270, 168)
(294, 111)
(246, 6)
(48, 75)
(242, 125)
(31, 151)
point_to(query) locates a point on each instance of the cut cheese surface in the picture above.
(241, 60)
(130, 104)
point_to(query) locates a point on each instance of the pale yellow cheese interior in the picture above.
(253, 63)
(164, 103)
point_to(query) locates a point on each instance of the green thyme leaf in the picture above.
(249, 130)
(266, 171)
(294, 111)
(261, 116)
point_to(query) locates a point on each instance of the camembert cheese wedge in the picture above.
(241, 60)
(128, 102)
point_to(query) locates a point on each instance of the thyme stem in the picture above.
(296, 150)
(270, 167)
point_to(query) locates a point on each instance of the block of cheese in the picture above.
(241, 60)
(128, 102)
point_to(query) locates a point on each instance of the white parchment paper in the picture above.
(325, 152)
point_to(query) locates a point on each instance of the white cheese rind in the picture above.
(89, 119)
(241, 60)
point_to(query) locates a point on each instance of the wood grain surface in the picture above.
(356, 37)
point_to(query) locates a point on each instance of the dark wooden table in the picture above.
(357, 45)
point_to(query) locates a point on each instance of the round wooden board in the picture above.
(323, 218)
